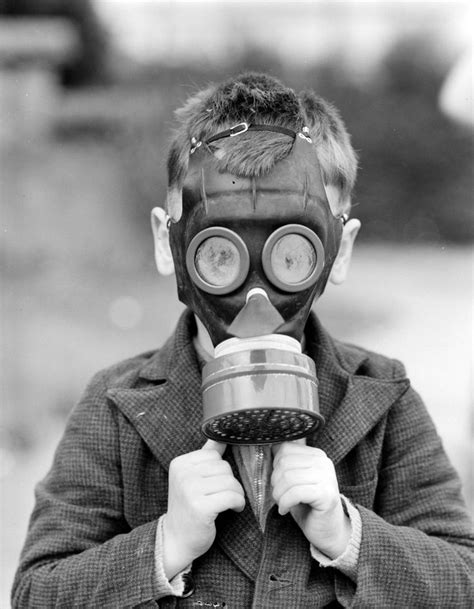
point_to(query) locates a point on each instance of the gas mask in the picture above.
(251, 254)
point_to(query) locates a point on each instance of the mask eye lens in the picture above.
(293, 259)
(217, 260)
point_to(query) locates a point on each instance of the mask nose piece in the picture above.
(258, 317)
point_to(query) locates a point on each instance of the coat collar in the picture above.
(167, 411)
(352, 399)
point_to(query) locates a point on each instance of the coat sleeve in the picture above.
(79, 551)
(417, 547)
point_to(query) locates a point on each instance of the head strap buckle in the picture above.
(194, 145)
(238, 129)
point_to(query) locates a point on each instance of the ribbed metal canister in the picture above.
(261, 390)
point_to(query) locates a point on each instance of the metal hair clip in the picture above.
(194, 145)
(238, 129)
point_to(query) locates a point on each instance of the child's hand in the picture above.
(304, 483)
(201, 486)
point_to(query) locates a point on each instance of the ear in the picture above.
(341, 265)
(163, 257)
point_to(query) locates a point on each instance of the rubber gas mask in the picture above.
(251, 255)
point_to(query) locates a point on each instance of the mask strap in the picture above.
(243, 127)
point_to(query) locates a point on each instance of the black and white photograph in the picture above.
(236, 304)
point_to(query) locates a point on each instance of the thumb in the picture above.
(213, 445)
(276, 447)
(301, 441)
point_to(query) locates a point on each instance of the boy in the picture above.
(139, 511)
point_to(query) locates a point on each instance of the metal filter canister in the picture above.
(260, 390)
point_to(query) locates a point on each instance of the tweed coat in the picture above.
(92, 533)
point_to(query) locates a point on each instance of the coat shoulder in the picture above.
(364, 362)
(123, 374)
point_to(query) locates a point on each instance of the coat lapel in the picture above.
(167, 413)
(350, 401)
(365, 403)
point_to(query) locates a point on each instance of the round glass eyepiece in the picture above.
(293, 257)
(217, 260)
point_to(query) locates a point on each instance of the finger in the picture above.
(300, 441)
(305, 494)
(292, 469)
(215, 468)
(223, 501)
(213, 445)
(289, 462)
(196, 476)
(297, 442)
(291, 449)
(219, 484)
(193, 459)
(283, 482)
(276, 449)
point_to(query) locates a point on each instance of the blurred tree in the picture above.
(91, 65)
(415, 181)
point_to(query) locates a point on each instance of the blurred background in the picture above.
(87, 93)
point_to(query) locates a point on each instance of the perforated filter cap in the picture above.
(261, 425)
